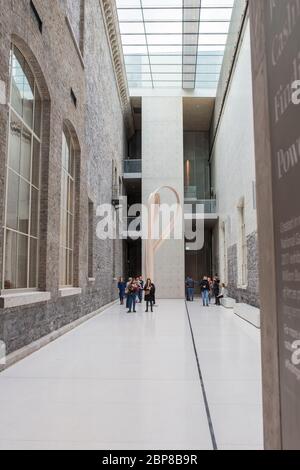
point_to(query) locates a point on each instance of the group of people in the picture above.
(210, 288)
(134, 291)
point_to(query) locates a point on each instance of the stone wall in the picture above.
(250, 294)
(98, 124)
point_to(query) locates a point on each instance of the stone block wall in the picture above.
(97, 122)
(250, 294)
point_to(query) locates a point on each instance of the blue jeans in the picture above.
(131, 302)
(205, 298)
(190, 293)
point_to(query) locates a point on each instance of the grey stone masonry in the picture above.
(98, 129)
(250, 294)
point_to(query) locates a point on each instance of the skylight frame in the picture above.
(153, 56)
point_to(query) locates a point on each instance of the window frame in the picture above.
(67, 134)
(8, 169)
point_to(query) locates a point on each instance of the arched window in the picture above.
(21, 224)
(67, 210)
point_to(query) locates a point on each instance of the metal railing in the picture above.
(132, 166)
(209, 205)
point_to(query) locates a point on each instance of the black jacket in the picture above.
(204, 285)
(150, 296)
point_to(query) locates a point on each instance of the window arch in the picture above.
(68, 190)
(22, 202)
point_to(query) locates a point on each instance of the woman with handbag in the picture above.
(149, 294)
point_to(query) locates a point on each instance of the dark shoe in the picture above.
(129, 311)
(146, 311)
(134, 311)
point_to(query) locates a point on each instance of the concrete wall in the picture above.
(233, 177)
(163, 165)
(97, 122)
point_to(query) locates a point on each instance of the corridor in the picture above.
(132, 382)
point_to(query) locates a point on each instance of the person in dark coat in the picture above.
(216, 288)
(204, 286)
(149, 294)
(122, 289)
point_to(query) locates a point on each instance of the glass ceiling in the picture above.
(174, 43)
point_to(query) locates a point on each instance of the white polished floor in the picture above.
(131, 382)
(230, 358)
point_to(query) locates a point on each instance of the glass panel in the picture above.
(33, 264)
(10, 277)
(167, 76)
(134, 39)
(71, 196)
(63, 229)
(176, 33)
(70, 268)
(132, 77)
(25, 163)
(128, 3)
(15, 143)
(64, 151)
(166, 68)
(17, 82)
(36, 164)
(135, 50)
(63, 267)
(70, 232)
(161, 3)
(37, 113)
(22, 261)
(215, 14)
(161, 14)
(140, 84)
(219, 39)
(165, 49)
(34, 212)
(157, 28)
(166, 60)
(132, 28)
(72, 161)
(12, 200)
(137, 68)
(214, 27)
(130, 15)
(23, 212)
(28, 96)
(164, 39)
(64, 190)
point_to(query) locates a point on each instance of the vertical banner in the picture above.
(281, 26)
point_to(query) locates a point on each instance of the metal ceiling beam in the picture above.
(191, 29)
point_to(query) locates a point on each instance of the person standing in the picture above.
(222, 294)
(149, 294)
(132, 294)
(216, 288)
(190, 287)
(122, 289)
(141, 289)
(204, 286)
(127, 292)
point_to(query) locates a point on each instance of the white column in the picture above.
(162, 155)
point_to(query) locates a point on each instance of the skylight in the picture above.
(174, 43)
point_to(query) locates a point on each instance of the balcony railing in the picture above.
(210, 205)
(132, 166)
